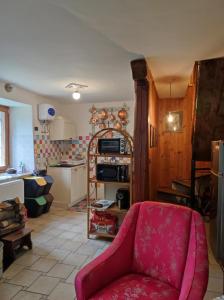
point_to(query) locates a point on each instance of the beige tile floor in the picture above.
(60, 249)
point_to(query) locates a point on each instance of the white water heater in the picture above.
(46, 112)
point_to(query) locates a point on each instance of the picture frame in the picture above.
(175, 124)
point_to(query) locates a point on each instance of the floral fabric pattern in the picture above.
(135, 287)
(161, 242)
(160, 253)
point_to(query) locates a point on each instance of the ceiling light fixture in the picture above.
(170, 118)
(76, 94)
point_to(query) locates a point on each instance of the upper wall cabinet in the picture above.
(62, 129)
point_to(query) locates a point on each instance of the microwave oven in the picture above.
(112, 172)
(111, 146)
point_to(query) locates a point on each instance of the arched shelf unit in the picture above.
(106, 190)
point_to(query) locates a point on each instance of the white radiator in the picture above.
(12, 189)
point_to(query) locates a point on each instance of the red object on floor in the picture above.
(160, 252)
(102, 222)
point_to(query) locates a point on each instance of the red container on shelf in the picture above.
(102, 222)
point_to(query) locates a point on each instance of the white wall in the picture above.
(80, 115)
(22, 122)
(76, 112)
(24, 96)
(21, 137)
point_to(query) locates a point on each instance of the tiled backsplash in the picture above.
(49, 152)
(75, 147)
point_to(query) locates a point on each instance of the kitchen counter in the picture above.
(4, 177)
(64, 166)
(70, 184)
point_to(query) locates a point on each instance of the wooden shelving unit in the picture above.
(109, 155)
(113, 209)
(108, 182)
(103, 235)
(94, 185)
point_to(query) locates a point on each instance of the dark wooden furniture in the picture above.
(173, 196)
(208, 115)
(13, 242)
(209, 112)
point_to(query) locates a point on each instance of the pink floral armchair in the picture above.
(160, 253)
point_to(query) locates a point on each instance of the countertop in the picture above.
(69, 167)
(4, 177)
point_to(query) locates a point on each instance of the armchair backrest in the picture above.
(162, 236)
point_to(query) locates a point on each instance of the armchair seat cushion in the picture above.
(137, 287)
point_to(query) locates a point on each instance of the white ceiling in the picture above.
(46, 44)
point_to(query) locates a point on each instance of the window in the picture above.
(4, 138)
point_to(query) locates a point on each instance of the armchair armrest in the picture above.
(195, 278)
(113, 263)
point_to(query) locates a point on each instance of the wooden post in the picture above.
(141, 136)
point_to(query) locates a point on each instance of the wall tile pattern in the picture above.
(47, 151)
(50, 152)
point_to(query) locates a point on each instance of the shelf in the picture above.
(114, 209)
(102, 234)
(111, 155)
(98, 189)
(110, 182)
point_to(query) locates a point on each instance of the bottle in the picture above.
(21, 167)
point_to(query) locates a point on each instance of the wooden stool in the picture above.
(14, 241)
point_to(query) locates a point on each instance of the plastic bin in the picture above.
(49, 199)
(1, 259)
(42, 172)
(49, 181)
(35, 206)
(34, 186)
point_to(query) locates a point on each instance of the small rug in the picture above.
(81, 206)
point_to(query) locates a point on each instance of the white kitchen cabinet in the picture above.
(12, 189)
(79, 189)
(61, 129)
(70, 185)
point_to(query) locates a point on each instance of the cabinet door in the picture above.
(69, 130)
(75, 186)
(78, 184)
(83, 178)
(61, 129)
(61, 188)
(57, 129)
